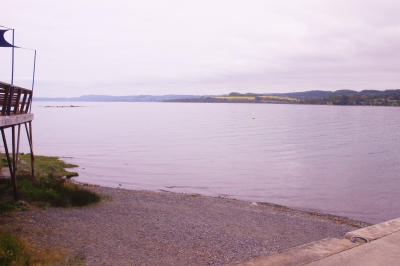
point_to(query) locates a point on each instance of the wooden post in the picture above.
(6, 150)
(30, 139)
(17, 154)
(14, 164)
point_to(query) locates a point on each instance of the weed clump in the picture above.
(52, 186)
(6, 207)
(56, 192)
(15, 251)
(12, 250)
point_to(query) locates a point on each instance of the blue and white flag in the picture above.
(3, 42)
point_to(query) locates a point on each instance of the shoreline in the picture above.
(322, 215)
(131, 227)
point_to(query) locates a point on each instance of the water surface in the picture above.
(341, 160)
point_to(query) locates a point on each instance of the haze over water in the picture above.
(341, 160)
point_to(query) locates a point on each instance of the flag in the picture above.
(3, 42)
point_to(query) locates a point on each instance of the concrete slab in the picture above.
(383, 251)
(376, 231)
(302, 254)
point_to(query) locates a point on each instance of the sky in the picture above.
(158, 47)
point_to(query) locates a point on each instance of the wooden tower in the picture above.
(15, 103)
(15, 110)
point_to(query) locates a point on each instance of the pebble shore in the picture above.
(159, 228)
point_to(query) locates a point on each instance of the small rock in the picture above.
(22, 203)
(52, 167)
(22, 162)
(254, 203)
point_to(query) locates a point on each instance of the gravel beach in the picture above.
(161, 228)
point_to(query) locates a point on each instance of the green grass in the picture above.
(279, 98)
(45, 166)
(14, 251)
(52, 186)
(6, 206)
(58, 193)
(251, 98)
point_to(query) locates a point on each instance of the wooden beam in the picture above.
(15, 119)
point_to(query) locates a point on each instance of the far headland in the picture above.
(319, 97)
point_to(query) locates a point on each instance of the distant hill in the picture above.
(107, 98)
(324, 94)
(339, 97)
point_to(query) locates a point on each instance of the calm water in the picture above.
(338, 160)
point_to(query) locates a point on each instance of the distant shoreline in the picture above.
(248, 102)
(64, 106)
(194, 101)
(340, 97)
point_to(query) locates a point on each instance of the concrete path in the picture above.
(383, 249)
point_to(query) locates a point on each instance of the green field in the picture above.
(253, 98)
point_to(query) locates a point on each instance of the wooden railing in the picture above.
(17, 102)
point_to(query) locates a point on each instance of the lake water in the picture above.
(341, 160)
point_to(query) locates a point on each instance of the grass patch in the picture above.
(45, 166)
(15, 251)
(6, 207)
(56, 192)
(279, 98)
(251, 98)
(52, 186)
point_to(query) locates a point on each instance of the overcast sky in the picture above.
(129, 47)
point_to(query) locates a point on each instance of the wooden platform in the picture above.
(15, 119)
(15, 110)
(14, 100)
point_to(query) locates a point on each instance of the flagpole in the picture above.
(12, 70)
(12, 77)
(33, 79)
